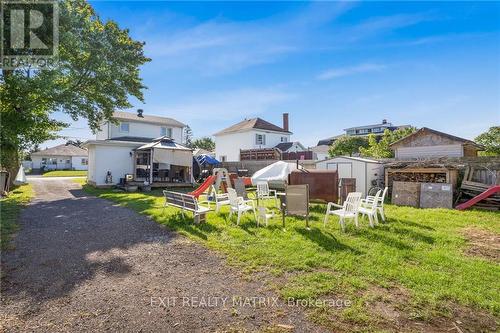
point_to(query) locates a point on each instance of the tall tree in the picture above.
(97, 71)
(188, 136)
(379, 147)
(204, 143)
(490, 140)
(347, 145)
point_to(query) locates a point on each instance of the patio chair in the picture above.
(262, 214)
(220, 199)
(380, 203)
(296, 202)
(371, 208)
(263, 192)
(349, 210)
(239, 186)
(238, 205)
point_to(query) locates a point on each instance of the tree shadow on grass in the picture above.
(415, 224)
(326, 240)
(376, 235)
(416, 236)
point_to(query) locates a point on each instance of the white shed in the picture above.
(364, 170)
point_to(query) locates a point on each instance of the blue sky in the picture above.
(331, 65)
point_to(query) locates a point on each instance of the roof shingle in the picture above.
(62, 150)
(119, 115)
(254, 123)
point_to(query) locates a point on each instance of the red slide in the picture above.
(488, 193)
(206, 184)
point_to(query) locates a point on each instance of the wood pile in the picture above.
(470, 189)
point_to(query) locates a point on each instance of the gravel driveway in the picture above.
(82, 263)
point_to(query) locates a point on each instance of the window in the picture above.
(223, 158)
(260, 139)
(124, 127)
(85, 161)
(49, 161)
(284, 139)
(68, 161)
(166, 131)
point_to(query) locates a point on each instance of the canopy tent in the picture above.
(167, 161)
(277, 171)
(206, 159)
(167, 151)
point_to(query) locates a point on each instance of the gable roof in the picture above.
(128, 116)
(254, 123)
(62, 150)
(284, 146)
(426, 129)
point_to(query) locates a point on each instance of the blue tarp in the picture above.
(206, 160)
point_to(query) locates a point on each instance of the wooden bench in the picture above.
(185, 202)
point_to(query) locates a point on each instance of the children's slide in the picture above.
(488, 193)
(203, 187)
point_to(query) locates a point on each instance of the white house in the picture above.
(255, 133)
(118, 150)
(365, 171)
(62, 157)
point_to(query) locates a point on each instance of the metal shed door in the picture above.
(344, 169)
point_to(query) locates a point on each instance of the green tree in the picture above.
(380, 147)
(347, 145)
(188, 137)
(204, 143)
(97, 71)
(490, 140)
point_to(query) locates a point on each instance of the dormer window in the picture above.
(124, 127)
(166, 131)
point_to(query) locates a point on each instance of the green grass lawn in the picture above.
(9, 211)
(416, 263)
(65, 173)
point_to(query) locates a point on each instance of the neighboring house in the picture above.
(364, 170)
(116, 144)
(254, 133)
(377, 129)
(428, 143)
(320, 152)
(62, 157)
(290, 147)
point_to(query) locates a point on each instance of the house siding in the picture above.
(363, 171)
(144, 130)
(113, 158)
(455, 150)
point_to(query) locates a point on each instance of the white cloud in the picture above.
(351, 70)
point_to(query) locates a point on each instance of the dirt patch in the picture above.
(483, 243)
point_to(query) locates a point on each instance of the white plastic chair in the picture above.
(380, 204)
(371, 209)
(239, 205)
(263, 215)
(220, 199)
(349, 210)
(263, 192)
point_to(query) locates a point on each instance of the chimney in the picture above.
(139, 113)
(285, 122)
(384, 121)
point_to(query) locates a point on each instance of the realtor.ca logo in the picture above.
(30, 34)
